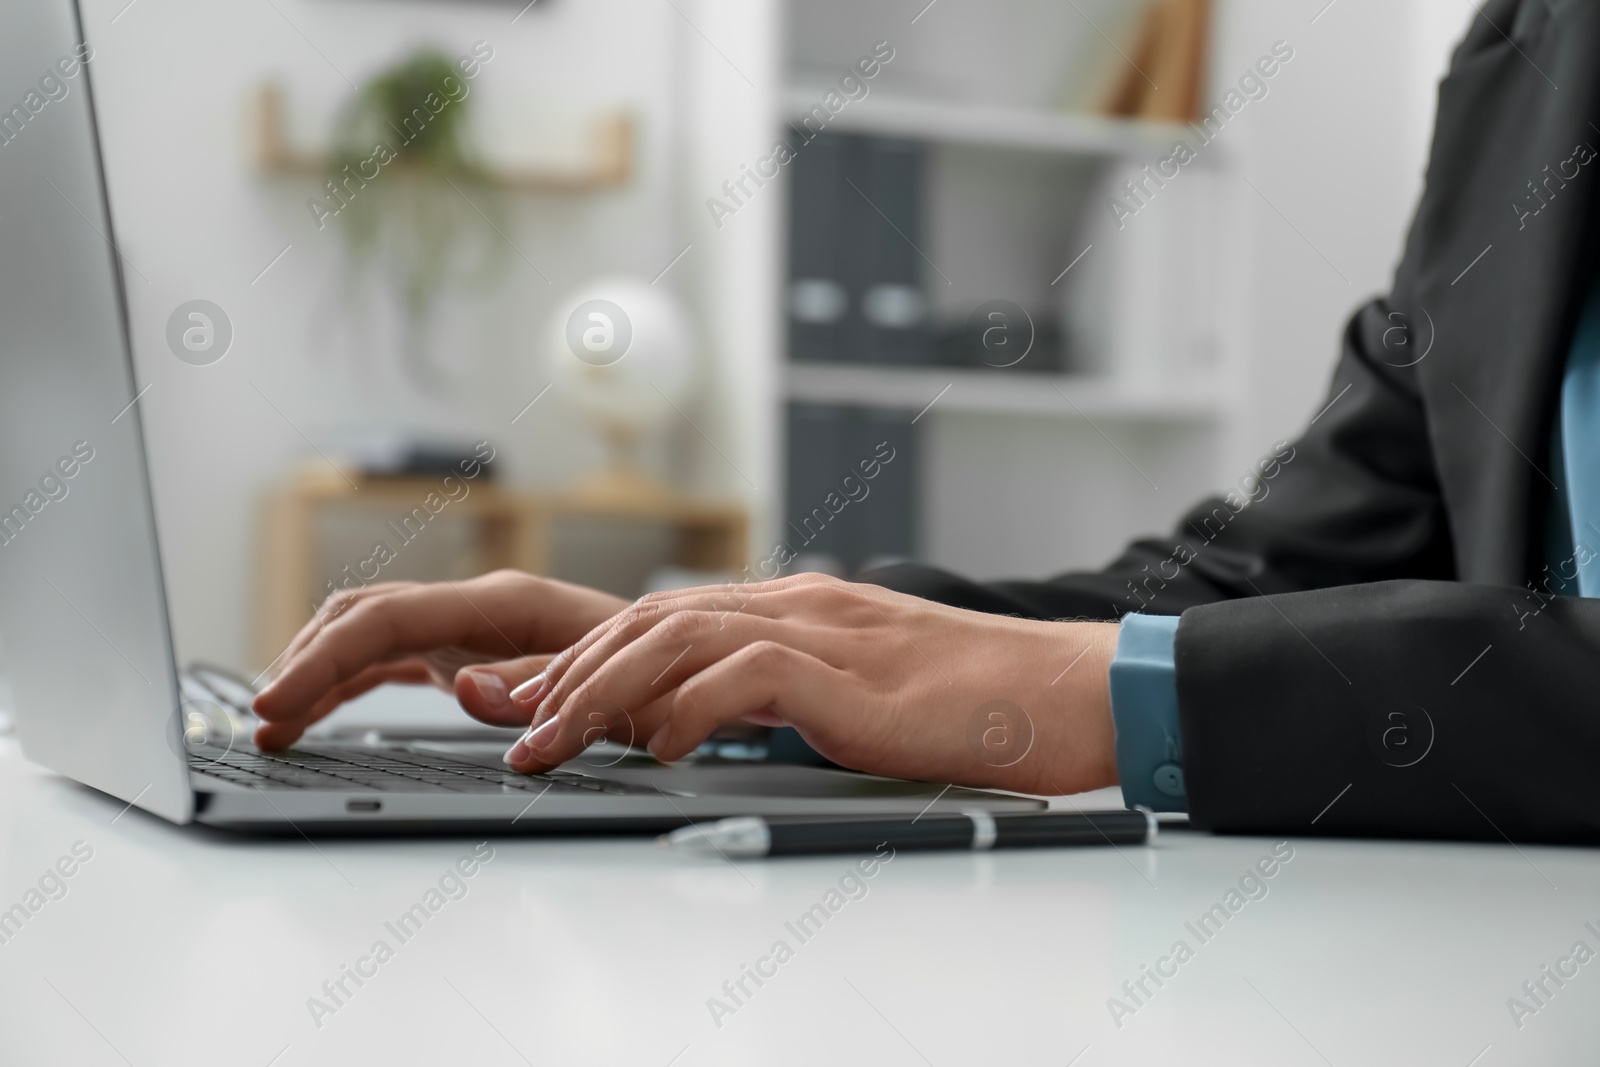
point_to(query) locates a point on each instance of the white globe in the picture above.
(623, 351)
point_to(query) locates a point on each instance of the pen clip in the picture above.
(1152, 825)
(984, 830)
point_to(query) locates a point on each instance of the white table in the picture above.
(177, 946)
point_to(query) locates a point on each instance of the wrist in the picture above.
(1076, 740)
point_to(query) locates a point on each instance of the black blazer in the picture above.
(1369, 649)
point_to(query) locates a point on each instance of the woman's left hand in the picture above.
(874, 680)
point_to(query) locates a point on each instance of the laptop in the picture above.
(87, 645)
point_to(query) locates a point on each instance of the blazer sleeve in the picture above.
(1402, 708)
(1332, 677)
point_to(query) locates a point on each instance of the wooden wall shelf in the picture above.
(610, 163)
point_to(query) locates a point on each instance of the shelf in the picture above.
(998, 393)
(610, 162)
(997, 127)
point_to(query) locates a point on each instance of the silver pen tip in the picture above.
(692, 838)
(746, 836)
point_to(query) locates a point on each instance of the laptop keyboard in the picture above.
(384, 770)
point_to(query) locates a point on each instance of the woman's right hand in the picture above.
(479, 638)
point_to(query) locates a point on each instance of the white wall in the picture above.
(732, 84)
(1338, 148)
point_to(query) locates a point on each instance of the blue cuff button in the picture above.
(1168, 778)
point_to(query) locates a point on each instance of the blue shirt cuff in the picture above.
(1144, 711)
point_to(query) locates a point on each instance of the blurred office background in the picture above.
(783, 335)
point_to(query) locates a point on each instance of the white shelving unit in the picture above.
(1022, 471)
(940, 390)
(1016, 128)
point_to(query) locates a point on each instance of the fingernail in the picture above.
(541, 738)
(518, 752)
(660, 742)
(531, 691)
(491, 689)
(535, 738)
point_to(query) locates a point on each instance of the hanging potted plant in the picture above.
(413, 203)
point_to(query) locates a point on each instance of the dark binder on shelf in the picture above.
(857, 291)
(818, 296)
(888, 531)
(889, 306)
(851, 486)
(817, 460)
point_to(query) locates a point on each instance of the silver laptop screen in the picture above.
(83, 619)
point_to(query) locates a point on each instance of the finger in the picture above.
(658, 661)
(406, 620)
(575, 665)
(630, 620)
(644, 669)
(766, 676)
(285, 732)
(631, 728)
(685, 644)
(335, 604)
(484, 690)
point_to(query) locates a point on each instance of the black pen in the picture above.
(975, 830)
